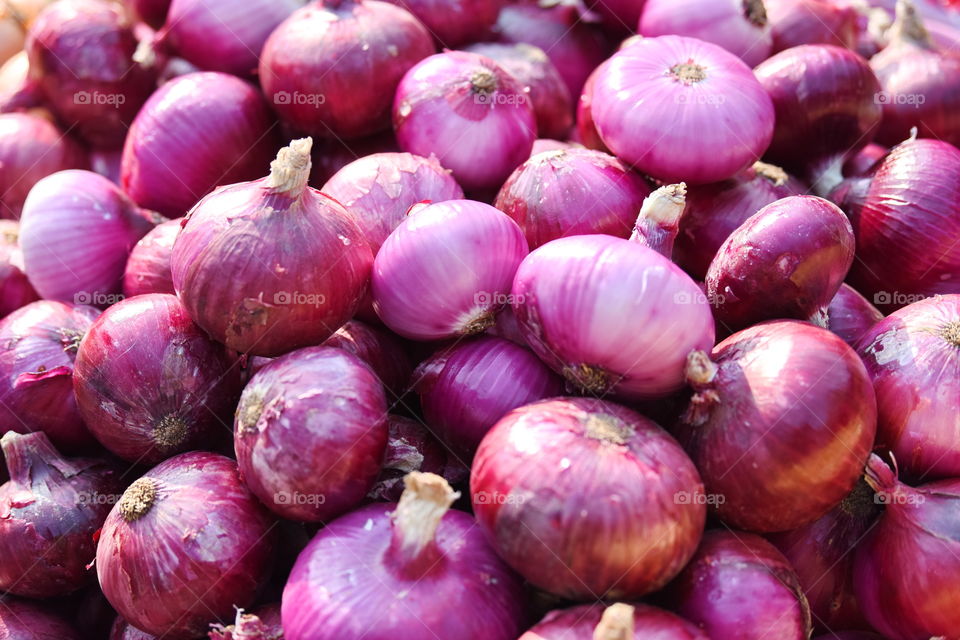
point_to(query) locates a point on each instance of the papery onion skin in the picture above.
(15, 288)
(851, 316)
(781, 428)
(150, 384)
(650, 96)
(187, 542)
(466, 389)
(28, 620)
(913, 357)
(565, 294)
(148, 267)
(739, 587)
(581, 621)
(321, 83)
(261, 624)
(461, 255)
(541, 486)
(410, 447)
(379, 349)
(81, 54)
(380, 188)
(466, 97)
(797, 22)
(49, 512)
(786, 261)
(38, 345)
(572, 192)
(31, 147)
(310, 433)
(453, 23)
(197, 131)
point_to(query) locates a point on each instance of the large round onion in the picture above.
(148, 267)
(27, 620)
(15, 288)
(453, 23)
(184, 544)
(311, 268)
(587, 499)
(781, 425)
(617, 622)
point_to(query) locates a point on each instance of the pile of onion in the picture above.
(616, 622)
(148, 267)
(15, 288)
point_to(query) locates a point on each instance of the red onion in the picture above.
(106, 163)
(453, 22)
(152, 12)
(621, 15)
(460, 257)
(627, 522)
(786, 261)
(716, 210)
(196, 132)
(913, 357)
(380, 350)
(329, 408)
(31, 147)
(379, 190)
(586, 131)
(322, 83)
(410, 447)
(123, 630)
(81, 54)
(150, 383)
(49, 512)
(38, 344)
(850, 315)
(616, 622)
(416, 566)
(262, 624)
(572, 192)
(185, 543)
(26, 620)
(739, 26)
(658, 224)
(467, 98)
(739, 587)
(540, 79)
(311, 269)
(797, 22)
(580, 300)
(650, 98)
(822, 555)
(863, 161)
(148, 267)
(15, 289)
(540, 145)
(780, 426)
(906, 567)
(466, 389)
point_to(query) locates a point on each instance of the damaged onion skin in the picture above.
(148, 267)
(261, 624)
(150, 383)
(580, 623)
(410, 447)
(850, 315)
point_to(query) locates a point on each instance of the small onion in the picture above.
(379, 349)
(453, 23)
(470, 113)
(410, 447)
(27, 620)
(415, 565)
(913, 357)
(650, 98)
(185, 543)
(148, 267)
(850, 315)
(781, 424)
(15, 289)
(38, 344)
(194, 133)
(587, 499)
(797, 22)
(572, 192)
(261, 624)
(311, 268)
(460, 256)
(616, 622)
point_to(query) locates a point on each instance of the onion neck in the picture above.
(478, 322)
(689, 72)
(774, 174)
(588, 378)
(755, 12)
(290, 171)
(170, 432)
(820, 318)
(483, 81)
(30, 458)
(426, 499)
(138, 499)
(908, 27)
(607, 429)
(659, 220)
(616, 623)
(70, 340)
(951, 333)
(701, 374)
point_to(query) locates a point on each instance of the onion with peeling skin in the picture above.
(851, 316)
(658, 224)
(148, 267)
(617, 622)
(410, 447)
(263, 623)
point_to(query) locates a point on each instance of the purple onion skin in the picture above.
(572, 192)
(581, 621)
(850, 315)
(150, 383)
(586, 131)
(541, 486)
(262, 623)
(15, 288)
(380, 188)
(152, 12)
(786, 261)
(321, 83)
(95, 88)
(782, 431)
(197, 131)
(797, 22)
(106, 162)
(148, 267)
(123, 630)
(466, 389)
(913, 357)
(191, 550)
(453, 23)
(850, 635)
(714, 211)
(26, 620)
(382, 351)
(49, 512)
(864, 160)
(311, 432)
(38, 345)
(739, 587)
(541, 145)
(410, 447)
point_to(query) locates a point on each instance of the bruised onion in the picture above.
(310, 272)
(185, 543)
(453, 23)
(27, 620)
(470, 113)
(260, 624)
(148, 267)
(781, 424)
(410, 447)
(379, 349)
(49, 512)
(38, 345)
(416, 563)
(150, 383)
(616, 622)
(587, 499)
(15, 289)
(797, 22)
(850, 315)
(572, 192)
